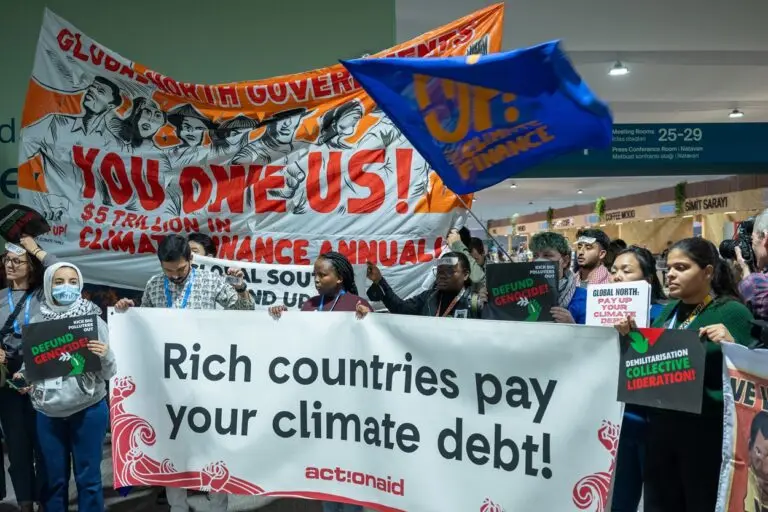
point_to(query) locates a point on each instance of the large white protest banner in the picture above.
(743, 477)
(274, 285)
(116, 155)
(392, 412)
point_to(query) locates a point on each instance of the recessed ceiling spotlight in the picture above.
(514, 185)
(579, 191)
(736, 113)
(618, 69)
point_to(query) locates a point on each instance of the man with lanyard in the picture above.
(184, 287)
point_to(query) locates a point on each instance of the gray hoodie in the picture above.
(65, 396)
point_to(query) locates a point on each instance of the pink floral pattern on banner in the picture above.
(592, 490)
(489, 506)
(132, 466)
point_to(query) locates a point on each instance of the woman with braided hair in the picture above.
(335, 283)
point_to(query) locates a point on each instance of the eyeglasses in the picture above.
(13, 262)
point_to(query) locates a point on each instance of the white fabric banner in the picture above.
(391, 412)
(273, 285)
(276, 171)
(743, 477)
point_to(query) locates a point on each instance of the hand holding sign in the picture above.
(717, 333)
(98, 347)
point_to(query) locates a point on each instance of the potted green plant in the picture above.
(600, 208)
(680, 197)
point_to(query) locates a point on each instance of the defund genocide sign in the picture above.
(522, 291)
(59, 348)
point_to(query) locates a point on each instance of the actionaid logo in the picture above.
(490, 506)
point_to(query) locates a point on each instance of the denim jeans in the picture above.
(78, 441)
(329, 506)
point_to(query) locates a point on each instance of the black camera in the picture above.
(742, 240)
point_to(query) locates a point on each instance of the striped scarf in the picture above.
(565, 289)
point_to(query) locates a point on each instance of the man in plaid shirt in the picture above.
(183, 287)
(754, 285)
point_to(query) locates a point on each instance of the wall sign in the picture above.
(620, 215)
(707, 203)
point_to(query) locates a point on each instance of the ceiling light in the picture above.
(687, 216)
(618, 69)
(648, 220)
(514, 185)
(730, 213)
(736, 113)
(619, 223)
(579, 191)
(603, 225)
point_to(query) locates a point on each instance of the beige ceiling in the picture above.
(690, 61)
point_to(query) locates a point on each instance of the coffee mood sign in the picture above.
(522, 291)
(662, 368)
(59, 348)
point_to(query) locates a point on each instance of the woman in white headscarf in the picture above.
(72, 411)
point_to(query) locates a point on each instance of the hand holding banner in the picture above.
(478, 120)
(380, 412)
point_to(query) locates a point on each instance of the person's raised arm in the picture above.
(30, 245)
(381, 291)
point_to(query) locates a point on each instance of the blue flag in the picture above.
(478, 120)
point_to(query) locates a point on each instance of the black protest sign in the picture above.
(17, 220)
(662, 368)
(59, 348)
(521, 291)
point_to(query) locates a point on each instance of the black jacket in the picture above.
(426, 303)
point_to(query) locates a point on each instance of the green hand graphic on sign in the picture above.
(639, 342)
(534, 311)
(78, 364)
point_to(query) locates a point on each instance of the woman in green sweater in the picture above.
(684, 450)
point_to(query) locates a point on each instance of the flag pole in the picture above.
(490, 236)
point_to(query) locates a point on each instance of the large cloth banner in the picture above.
(279, 170)
(744, 475)
(391, 412)
(481, 119)
(275, 285)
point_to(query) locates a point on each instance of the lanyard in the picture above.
(187, 291)
(450, 306)
(696, 312)
(12, 307)
(322, 301)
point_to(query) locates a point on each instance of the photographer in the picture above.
(754, 283)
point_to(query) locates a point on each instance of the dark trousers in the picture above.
(628, 476)
(79, 440)
(682, 465)
(3, 490)
(17, 417)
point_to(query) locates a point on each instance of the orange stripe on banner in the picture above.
(439, 198)
(31, 175)
(41, 101)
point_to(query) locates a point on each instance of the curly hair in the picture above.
(549, 240)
